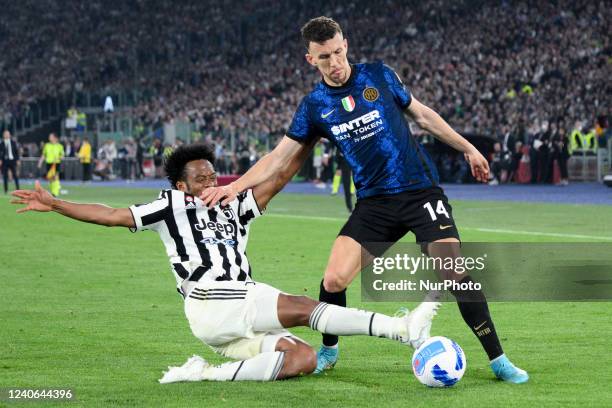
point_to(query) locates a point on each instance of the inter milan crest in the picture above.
(348, 103)
(370, 94)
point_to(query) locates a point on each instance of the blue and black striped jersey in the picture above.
(365, 119)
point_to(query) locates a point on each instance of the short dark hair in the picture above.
(319, 30)
(175, 162)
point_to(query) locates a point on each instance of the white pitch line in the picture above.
(310, 217)
(494, 230)
(546, 234)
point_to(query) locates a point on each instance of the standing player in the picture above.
(52, 155)
(362, 109)
(226, 309)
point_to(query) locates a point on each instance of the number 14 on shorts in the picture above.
(440, 210)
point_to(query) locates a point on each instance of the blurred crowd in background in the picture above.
(132, 159)
(523, 72)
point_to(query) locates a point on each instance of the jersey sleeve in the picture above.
(401, 94)
(150, 216)
(248, 209)
(301, 128)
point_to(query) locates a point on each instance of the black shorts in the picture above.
(387, 218)
(57, 167)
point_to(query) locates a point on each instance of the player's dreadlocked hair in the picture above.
(319, 30)
(175, 162)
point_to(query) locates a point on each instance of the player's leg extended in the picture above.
(239, 320)
(277, 311)
(278, 358)
(371, 221)
(287, 357)
(475, 312)
(278, 354)
(343, 265)
(293, 311)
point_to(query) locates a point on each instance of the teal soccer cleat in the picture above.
(326, 359)
(506, 371)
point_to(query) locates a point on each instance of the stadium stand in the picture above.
(539, 70)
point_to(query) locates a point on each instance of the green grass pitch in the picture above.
(95, 309)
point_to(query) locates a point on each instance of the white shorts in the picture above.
(223, 315)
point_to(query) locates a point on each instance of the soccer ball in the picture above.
(439, 362)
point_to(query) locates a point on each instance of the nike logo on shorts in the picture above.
(443, 227)
(480, 325)
(324, 115)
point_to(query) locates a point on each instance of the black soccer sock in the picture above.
(475, 311)
(339, 299)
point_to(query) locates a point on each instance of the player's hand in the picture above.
(38, 199)
(478, 164)
(225, 194)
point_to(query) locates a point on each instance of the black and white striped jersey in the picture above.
(201, 243)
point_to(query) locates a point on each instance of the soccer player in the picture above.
(236, 316)
(52, 155)
(362, 108)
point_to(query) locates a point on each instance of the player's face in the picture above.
(199, 174)
(330, 59)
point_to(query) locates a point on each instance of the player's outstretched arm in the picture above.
(429, 120)
(265, 191)
(275, 162)
(40, 200)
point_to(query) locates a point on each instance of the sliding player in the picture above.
(236, 316)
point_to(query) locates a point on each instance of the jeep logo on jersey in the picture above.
(355, 123)
(222, 227)
(370, 94)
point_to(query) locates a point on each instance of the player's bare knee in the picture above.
(300, 359)
(305, 359)
(309, 359)
(334, 282)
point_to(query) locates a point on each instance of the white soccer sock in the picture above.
(262, 367)
(342, 321)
